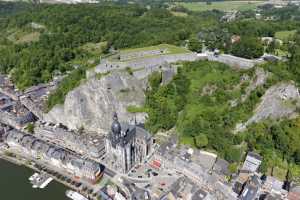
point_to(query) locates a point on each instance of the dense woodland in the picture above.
(197, 103)
(68, 27)
(61, 30)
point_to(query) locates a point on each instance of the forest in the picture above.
(40, 42)
(63, 29)
(198, 103)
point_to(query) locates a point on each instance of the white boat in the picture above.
(75, 195)
(33, 176)
(44, 184)
(40, 180)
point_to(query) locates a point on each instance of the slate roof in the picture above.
(221, 167)
(199, 195)
(255, 155)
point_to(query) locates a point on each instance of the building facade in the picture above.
(127, 145)
(35, 148)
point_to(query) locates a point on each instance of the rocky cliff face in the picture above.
(280, 100)
(92, 104)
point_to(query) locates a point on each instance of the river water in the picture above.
(14, 185)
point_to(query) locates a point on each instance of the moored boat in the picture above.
(75, 195)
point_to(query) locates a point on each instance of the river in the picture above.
(14, 185)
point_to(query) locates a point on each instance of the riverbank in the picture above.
(14, 184)
(67, 182)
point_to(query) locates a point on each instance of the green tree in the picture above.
(154, 80)
(297, 157)
(248, 47)
(30, 128)
(271, 47)
(201, 140)
(233, 168)
(195, 45)
(232, 154)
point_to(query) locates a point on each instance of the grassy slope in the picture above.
(21, 36)
(224, 6)
(197, 105)
(285, 35)
(179, 14)
(94, 48)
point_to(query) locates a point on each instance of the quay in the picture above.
(40, 180)
(69, 182)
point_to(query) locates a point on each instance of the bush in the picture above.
(68, 83)
(129, 71)
(248, 47)
(30, 128)
(201, 140)
(232, 154)
(195, 45)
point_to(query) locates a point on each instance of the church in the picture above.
(127, 145)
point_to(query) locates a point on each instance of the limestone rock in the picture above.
(281, 100)
(92, 104)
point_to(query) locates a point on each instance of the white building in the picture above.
(252, 162)
(55, 156)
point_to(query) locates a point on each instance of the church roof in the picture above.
(123, 133)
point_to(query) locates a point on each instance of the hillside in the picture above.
(91, 105)
(57, 46)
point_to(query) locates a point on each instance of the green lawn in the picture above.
(94, 48)
(179, 14)
(280, 52)
(285, 35)
(168, 49)
(223, 6)
(187, 140)
(171, 49)
(20, 37)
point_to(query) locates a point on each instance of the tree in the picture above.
(208, 2)
(271, 47)
(195, 45)
(280, 138)
(297, 157)
(30, 128)
(263, 167)
(232, 154)
(232, 168)
(248, 47)
(201, 140)
(154, 80)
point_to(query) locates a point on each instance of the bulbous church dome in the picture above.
(116, 126)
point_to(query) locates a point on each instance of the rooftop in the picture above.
(199, 195)
(221, 167)
(255, 155)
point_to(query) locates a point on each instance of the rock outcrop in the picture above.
(259, 79)
(281, 100)
(92, 104)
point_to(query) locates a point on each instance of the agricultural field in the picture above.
(285, 35)
(223, 6)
